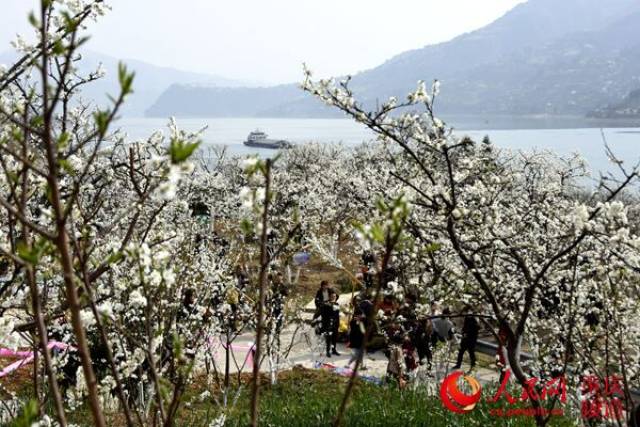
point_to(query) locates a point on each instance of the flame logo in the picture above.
(455, 400)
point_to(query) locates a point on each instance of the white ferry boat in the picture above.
(260, 139)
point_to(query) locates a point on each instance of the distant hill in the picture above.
(150, 81)
(565, 57)
(628, 108)
(194, 100)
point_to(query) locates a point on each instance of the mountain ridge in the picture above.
(541, 57)
(150, 82)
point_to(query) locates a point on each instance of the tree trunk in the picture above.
(264, 264)
(513, 354)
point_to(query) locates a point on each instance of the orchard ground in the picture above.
(305, 395)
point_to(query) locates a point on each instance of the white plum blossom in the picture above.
(513, 234)
(249, 162)
(136, 299)
(581, 217)
(8, 338)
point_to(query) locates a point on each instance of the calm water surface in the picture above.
(230, 132)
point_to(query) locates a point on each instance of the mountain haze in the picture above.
(150, 81)
(542, 57)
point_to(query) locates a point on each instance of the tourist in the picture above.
(393, 330)
(634, 416)
(442, 328)
(470, 330)
(330, 315)
(409, 351)
(367, 269)
(388, 305)
(357, 331)
(395, 366)
(408, 309)
(422, 340)
(366, 306)
(322, 297)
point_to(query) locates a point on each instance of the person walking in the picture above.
(470, 329)
(330, 315)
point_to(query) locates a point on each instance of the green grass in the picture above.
(309, 399)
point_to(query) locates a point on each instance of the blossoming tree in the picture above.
(512, 239)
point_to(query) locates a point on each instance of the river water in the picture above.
(588, 141)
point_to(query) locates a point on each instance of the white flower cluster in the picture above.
(511, 233)
(8, 338)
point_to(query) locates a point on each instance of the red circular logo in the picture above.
(454, 399)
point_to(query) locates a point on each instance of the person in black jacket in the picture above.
(357, 331)
(470, 329)
(322, 295)
(421, 336)
(634, 417)
(330, 314)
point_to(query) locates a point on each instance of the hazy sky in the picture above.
(267, 40)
